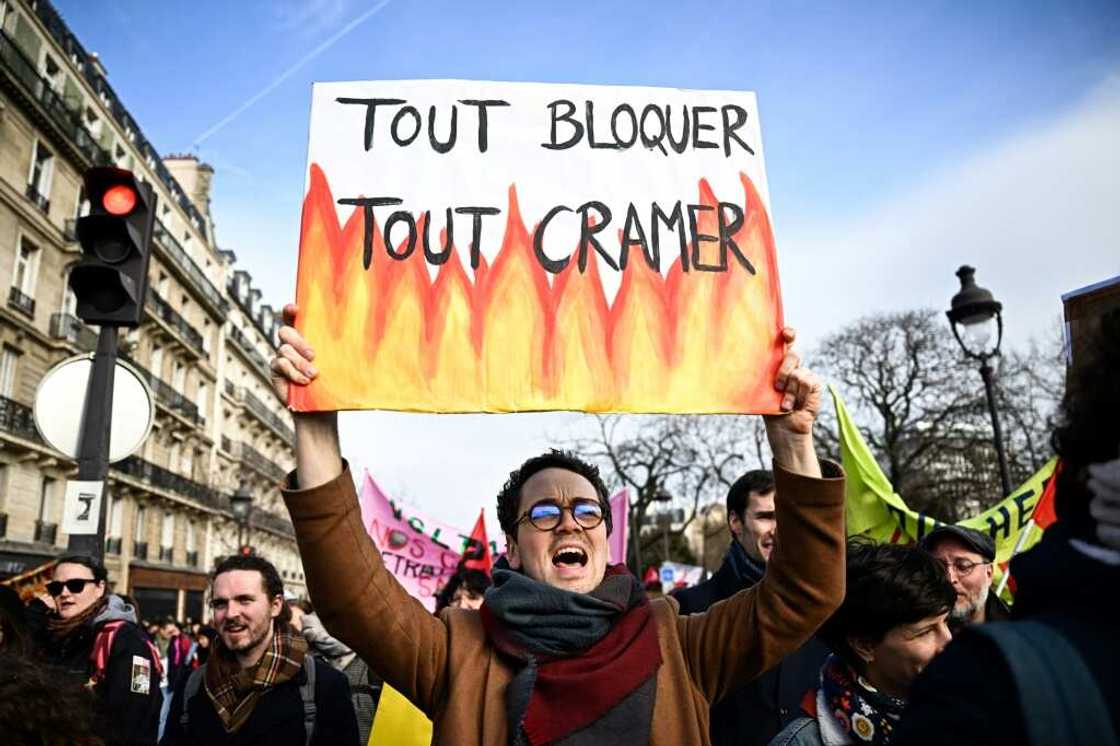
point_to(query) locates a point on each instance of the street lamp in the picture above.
(241, 503)
(976, 319)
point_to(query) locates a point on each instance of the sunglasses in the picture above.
(547, 514)
(74, 585)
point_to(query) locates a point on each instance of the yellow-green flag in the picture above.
(398, 722)
(876, 511)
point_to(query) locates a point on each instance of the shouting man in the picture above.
(757, 710)
(566, 648)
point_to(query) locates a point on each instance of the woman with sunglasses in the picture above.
(93, 635)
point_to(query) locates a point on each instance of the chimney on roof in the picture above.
(195, 178)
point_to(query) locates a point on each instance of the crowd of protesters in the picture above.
(802, 637)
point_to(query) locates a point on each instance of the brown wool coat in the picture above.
(448, 669)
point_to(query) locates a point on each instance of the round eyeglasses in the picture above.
(547, 514)
(962, 567)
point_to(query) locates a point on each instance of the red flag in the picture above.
(476, 555)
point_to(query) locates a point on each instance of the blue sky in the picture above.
(902, 139)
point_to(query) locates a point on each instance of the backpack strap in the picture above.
(194, 683)
(103, 647)
(1060, 700)
(307, 694)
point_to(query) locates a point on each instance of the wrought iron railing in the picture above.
(140, 550)
(256, 460)
(17, 419)
(192, 559)
(38, 199)
(242, 342)
(165, 554)
(157, 476)
(73, 330)
(38, 89)
(183, 259)
(167, 395)
(268, 417)
(45, 532)
(21, 301)
(264, 519)
(161, 308)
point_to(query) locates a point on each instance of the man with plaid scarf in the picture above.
(259, 686)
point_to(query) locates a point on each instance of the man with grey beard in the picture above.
(967, 556)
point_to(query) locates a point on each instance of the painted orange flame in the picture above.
(389, 337)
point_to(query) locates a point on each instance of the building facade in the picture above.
(202, 347)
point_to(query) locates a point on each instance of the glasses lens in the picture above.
(75, 585)
(545, 515)
(587, 513)
(54, 587)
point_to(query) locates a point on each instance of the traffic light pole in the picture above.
(93, 439)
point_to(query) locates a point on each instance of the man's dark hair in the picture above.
(887, 585)
(1088, 428)
(100, 574)
(270, 578)
(759, 481)
(509, 498)
(170, 620)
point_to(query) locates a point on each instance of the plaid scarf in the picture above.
(868, 715)
(59, 628)
(234, 691)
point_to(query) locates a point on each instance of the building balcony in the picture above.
(268, 417)
(165, 554)
(17, 419)
(192, 559)
(157, 476)
(166, 395)
(188, 267)
(73, 330)
(113, 545)
(256, 460)
(242, 343)
(140, 550)
(39, 200)
(272, 522)
(45, 532)
(22, 78)
(22, 302)
(159, 308)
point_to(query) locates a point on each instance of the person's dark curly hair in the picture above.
(475, 581)
(270, 578)
(756, 482)
(509, 498)
(42, 706)
(1088, 427)
(887, 585)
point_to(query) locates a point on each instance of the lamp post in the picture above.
(241, 503)
(975, 317)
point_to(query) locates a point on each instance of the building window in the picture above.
(41, 175)
(186, 465)
(8, 359)
(27, 267)
(203, 399)
(93, 122)
(140, 534)
(52, 73)
(156, 362)
(206, 335)
(167, 536)
(178, 378)
(162, 284)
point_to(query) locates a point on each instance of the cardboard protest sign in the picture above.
(420, 552)
(475, 246)
(874, 510)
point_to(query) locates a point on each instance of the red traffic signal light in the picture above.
(245, 550)
(119, 199)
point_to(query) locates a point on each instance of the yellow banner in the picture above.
(399, 722)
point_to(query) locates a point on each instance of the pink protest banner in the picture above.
(620, 518)
(420, 552)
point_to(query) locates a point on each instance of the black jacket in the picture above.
(756, 711)
(128, 700)
(277, 719)
(967, 696)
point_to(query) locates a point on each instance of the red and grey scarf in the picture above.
(588, 660)
(234, 691)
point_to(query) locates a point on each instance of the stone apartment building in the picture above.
(202, 346)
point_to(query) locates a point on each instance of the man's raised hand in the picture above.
(791, 432)
(292, 362)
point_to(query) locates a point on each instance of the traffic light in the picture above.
(111, 278)
(246, 550)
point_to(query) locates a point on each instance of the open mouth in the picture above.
(569, 557)
(235, 628)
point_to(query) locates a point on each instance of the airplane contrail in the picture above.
(291, 71)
